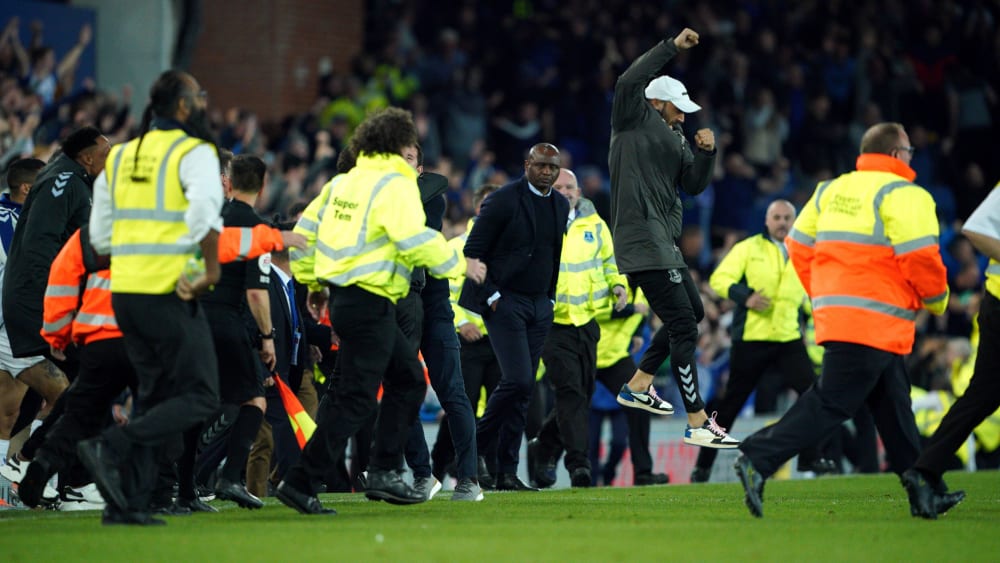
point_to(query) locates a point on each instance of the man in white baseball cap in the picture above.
(670, 98)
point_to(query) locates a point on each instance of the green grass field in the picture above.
(829, 519)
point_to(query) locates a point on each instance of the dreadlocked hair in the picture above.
(164, 97)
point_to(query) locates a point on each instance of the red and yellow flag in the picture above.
(302, 424)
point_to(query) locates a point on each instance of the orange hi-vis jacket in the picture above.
(68, 316)
(866, 250)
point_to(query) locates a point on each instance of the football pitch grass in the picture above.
(859, 518)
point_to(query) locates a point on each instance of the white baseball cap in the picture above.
(673, 91)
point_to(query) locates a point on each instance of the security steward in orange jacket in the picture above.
(88, 321)
(866, 250)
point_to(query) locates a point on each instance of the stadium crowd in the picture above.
(788, 89)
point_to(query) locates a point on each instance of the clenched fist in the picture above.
(704, 139)
(686, 39)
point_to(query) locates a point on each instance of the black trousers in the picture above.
(979, 401)
(853, 375)
(170, 346)
(749, 361)
(517, 331)
(105, 371)
(480, 370)
(373, 350)
(674, 297)
(570, 356)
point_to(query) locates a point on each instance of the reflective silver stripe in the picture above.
(801, 238)
(95, 281)
(600, 241)
(296, 254)
(936, 299)
(114, 175)
(157, 249)
(360, 247)
(916, 244)
(993, 268)
(246, 238)
(847, 236)
(577, 267)
(62, 291)
(416, 240)
(58, 324)
(334, 254)
(150, 215)
(308, 225)
(879, 196)
(96, 320)
(581, 299)
(442, 269)
(863, 303)
(819, 193)
(161, 178)
(387, 266)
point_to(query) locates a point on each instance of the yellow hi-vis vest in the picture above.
(147, 208)
(993, 278)
(758, 264)
(616, 334)
(303, 261)
(463, 315)
(587, 269)
(372, 231)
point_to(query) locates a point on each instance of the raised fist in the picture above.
(686, 39)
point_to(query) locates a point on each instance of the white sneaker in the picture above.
(646, 400)
(82, 498)
(710, 435)
(427, 485)
(13, 470)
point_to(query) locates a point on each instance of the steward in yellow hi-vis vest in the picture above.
(157, 202)
(980, 399)
(865, 248)
(370, 233)
(588, 282)
(758, 277)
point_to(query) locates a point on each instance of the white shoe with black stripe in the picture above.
(646, 400)
(710, 435)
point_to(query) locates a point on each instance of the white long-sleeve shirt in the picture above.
(199, 175)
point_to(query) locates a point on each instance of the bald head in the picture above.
(542, 166)
(780, 216)
(567, 185)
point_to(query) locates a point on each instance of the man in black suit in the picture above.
(276, 445)
(519, 237)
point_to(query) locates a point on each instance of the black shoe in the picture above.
(98, 457)
(821, 466)
(304, 503)
(943, 502)
(170, 509)
(921, 494)
(33, 482)
(644, 479)
(510, 482)
(700, 474)
(114, 517)
(196, 505)
(486, 480)
(390, 487)
(236, 492)
(753, 485)
(580, 477)
(541, 465)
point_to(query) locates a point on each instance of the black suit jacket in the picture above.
(503, 237)
(282, 320)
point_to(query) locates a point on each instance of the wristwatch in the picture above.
(268, 336)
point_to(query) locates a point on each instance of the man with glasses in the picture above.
(866, 250)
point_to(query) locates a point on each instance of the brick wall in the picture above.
(263, 54)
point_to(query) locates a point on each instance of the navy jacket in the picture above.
(503, 237)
